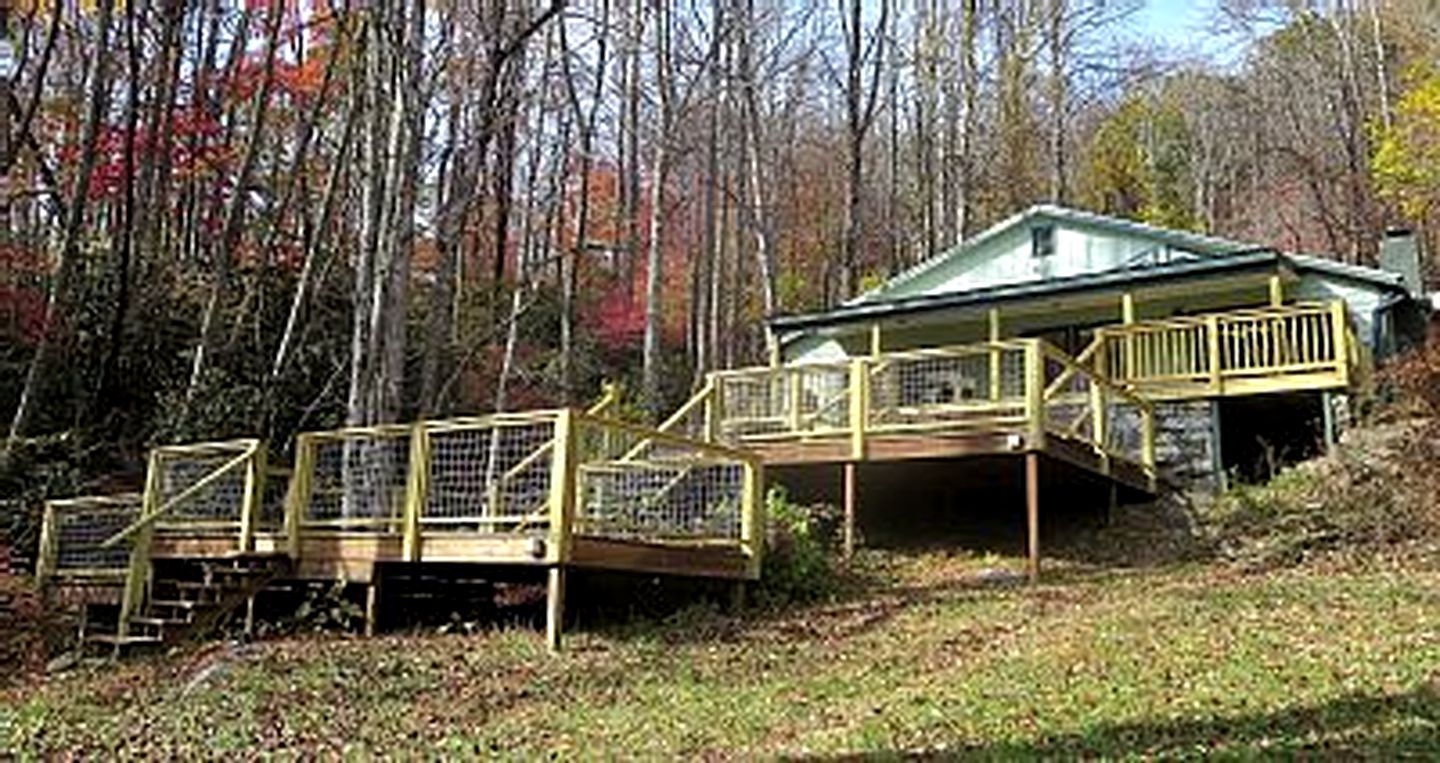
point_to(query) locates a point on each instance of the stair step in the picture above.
(115, 640)
(193, 585)
(174, 603)
(159, 621)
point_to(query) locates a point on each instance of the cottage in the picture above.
(1230, 340)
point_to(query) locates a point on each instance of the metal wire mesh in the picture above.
(359, 478)
(82, 525)
(947, 385)
(221, 500)
(489, 473)
(810, 398)
(658, 489)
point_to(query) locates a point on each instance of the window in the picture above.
(1042, 240)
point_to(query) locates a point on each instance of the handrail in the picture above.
(609, 398)
(151, 517)
(1074, 366)
(697, 400)
(669, 438)
(1082, 360)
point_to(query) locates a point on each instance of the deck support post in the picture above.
(554, 606)
(1032, 514)
(250, 615)
(1327, 418)
(851, 489)
(1113, 503)
(372, 603)
(737, 597)
(1217, 459)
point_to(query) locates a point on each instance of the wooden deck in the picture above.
(568, 489)
(553, 490)
(1244, 352)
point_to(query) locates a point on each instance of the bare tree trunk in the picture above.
(1058, 46)
(231, 233)
(760, 189)
(585, 118)
(124, 237)
(860, 99)
(66, 264)
(655, 257)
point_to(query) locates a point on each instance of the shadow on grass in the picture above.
(866, 596)
(1365, 726)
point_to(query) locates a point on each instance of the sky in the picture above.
(1187, 29)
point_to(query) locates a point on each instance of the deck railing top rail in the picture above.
(546, 475)
(1271, 349)
(1012, 387)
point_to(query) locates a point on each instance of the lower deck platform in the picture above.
(1130, 476)
(354, 557)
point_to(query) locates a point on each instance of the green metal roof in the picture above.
(1208, 256)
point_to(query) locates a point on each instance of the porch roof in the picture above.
(1257, 261)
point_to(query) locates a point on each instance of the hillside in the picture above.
(1183, 660)
(1299, 616)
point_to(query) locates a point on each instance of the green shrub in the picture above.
(799, 556)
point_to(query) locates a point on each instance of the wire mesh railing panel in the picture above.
(210, 484)
(755, 403)
(947, 386)
(489, 471)
(82, 525)
(822, 395)
(661, 489)
(358, 478)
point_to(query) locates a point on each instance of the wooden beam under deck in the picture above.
(714, 560)
(888, 448)
(353, 556)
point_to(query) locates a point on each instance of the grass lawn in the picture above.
(1183, 661)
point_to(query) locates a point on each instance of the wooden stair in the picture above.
(188, 598)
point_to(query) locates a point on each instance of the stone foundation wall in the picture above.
(1185, 447)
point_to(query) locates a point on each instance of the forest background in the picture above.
(226, 218)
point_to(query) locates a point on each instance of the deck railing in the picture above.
(551, 476)
(1304, 346)
(1023, 387)
(73, 535)
(205, 490)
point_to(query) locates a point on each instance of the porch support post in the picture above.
(876, 346)
(554, 606)
(1277, 291)
(1032, 514)
(994, 354)
(773, 347)
(1127, 316)
(851, 490)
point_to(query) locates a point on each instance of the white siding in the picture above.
(1007, 259)
(1362, 299)
(814, 349)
